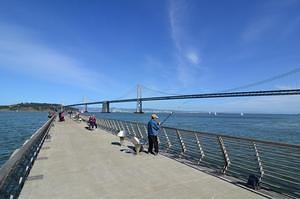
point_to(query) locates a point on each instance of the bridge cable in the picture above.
(158, 91)
(296, 70)
(132, 90)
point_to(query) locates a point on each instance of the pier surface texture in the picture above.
(78, 163)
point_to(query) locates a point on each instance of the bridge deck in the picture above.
(77, 163)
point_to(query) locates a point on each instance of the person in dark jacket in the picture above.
(153, 131)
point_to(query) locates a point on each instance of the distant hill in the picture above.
(33, 107)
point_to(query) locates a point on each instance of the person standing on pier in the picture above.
(153, 131)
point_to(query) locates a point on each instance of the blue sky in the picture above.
(62, 51)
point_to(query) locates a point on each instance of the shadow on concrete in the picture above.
(116, 143)
(128, 150)
(42, 158)
(36, 177)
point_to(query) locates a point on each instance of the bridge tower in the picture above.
(85, 105)
(105, 107)
(139, 108)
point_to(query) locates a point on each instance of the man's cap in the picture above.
(154, 116)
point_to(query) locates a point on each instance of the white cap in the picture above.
(154, 116)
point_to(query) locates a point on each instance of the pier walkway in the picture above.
(78, 163)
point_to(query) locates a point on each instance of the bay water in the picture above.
(16, 127)
(271, 127)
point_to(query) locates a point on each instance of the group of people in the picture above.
(92, 123)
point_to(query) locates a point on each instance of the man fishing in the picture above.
(153, 131)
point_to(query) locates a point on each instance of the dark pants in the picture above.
(92, 125)
(152, 141)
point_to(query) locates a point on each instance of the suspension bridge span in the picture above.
(139, 99)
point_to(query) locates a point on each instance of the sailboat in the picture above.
(242, 114)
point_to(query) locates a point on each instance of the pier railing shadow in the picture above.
(276, 165)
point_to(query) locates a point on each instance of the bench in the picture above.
(137, 142)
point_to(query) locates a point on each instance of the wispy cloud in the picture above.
(188, 58)
(22, 52)
(193, 58)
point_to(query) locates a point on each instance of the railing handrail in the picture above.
(16, 156)
(222, 135)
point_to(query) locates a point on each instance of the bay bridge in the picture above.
(139, 99)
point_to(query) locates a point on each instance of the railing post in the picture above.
(104, 122)
(261, 170)
(200, 148)
(127, 128)
(99, 122)
(114, 125)
(119, 125)
(107, 124)
(167, 137)
(183, 148)
(225, 155)
(111, 125)
(134, 133)
(139, 130)
(122, 125)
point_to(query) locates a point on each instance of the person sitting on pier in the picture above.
(92, 122)
(61, 116)
(153, 131)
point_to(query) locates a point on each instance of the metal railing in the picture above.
(14, 172)
(277, 165)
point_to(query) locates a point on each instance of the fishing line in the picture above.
(168, 116)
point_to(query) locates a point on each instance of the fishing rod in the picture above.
(166, 118)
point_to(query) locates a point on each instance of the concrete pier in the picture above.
(78, 163)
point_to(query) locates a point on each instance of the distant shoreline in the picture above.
(33, 107)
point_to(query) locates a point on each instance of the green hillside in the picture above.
(33, 107)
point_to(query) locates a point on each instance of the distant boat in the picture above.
(215, 113)
(242, 114)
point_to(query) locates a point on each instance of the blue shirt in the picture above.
(153, 127)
